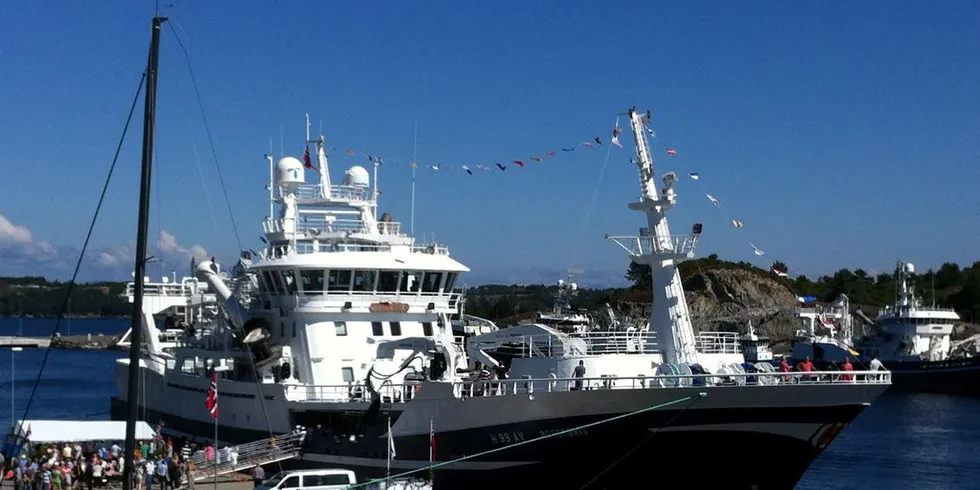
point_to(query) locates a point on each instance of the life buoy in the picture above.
(417, 389)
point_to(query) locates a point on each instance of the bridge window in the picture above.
(364, 280)
(339, 280)
(340, 328)
(263, 286)
(312, 281)
(291, 481)
(396, 328)
(276, 282)
(410, 282)
(388, 281)
(450, 282)
(289, 281)
(430, 284)
(347, 374)
(376, 329)
(427, 329)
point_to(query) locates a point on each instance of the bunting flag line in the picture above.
(469, 168)
(672, 152)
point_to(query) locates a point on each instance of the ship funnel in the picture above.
(257, 339)
(208, 272)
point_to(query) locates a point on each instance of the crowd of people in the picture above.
(86, 466)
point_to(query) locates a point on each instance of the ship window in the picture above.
(431, 282)
(388, 281)
(340, 328)
(450, 282)
(427, 329)
(376, 329)
(263, 287)
(339, 280)
(276, 282)
(364, 280)
(290, 482)
(289, 280)
(396, 328)
(410, 282)
(348, 374)
(312, 281)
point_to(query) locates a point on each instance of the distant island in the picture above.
(721, 294)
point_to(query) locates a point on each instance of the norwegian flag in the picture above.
(212, 400)
(306, 158)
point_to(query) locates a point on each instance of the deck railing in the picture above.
(718, 343)
(531, 385)
(401, 393)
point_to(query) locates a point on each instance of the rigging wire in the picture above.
(207, 129)
(591, 208)
(258, 385)
(81, 253)
(691, 398)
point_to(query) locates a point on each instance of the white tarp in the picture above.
(81, 430)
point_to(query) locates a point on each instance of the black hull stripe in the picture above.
(747, 437)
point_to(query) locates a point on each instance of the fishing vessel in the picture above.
(913, 340)
(342, 325)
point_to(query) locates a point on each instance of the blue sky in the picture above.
(844, 134)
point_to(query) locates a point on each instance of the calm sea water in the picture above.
(921, 442)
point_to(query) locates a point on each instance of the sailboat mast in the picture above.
(135, 341)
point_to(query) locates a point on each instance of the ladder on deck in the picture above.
(249, 455)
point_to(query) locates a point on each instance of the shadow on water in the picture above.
(904, 441)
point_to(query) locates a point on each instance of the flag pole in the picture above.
(415, 163)
(432, 436)
(388, 464)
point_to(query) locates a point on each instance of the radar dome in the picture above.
(909, 268)
(289, 171)
(357, 176)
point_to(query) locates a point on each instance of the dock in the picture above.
(25, 342)
(90, 341)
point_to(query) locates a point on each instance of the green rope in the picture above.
(536, 439)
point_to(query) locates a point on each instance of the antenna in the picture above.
(415, 164)
(281, 152)
(307, 127)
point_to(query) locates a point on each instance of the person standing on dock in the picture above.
(258, 476)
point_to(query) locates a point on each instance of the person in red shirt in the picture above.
(784, 367)
(806, 366)
(848, 368)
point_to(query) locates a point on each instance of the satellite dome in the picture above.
(357, 176)
(289, 171)
(909, 268)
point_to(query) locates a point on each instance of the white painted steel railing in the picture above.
(248, 455)
(641, 245)
(761, 380)
(718, 343)
(401, 393)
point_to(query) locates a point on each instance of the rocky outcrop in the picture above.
(726, 299)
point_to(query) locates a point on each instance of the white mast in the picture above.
(669, 316)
